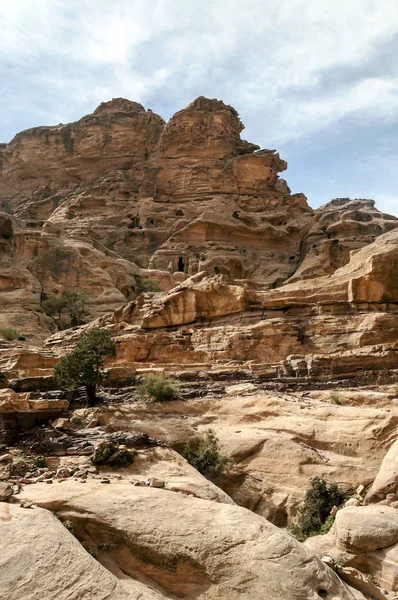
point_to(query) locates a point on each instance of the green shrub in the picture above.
(144, 285)
(72, 303)
(327, 526)
(335, 398)
(9, 333)
(107, 453)
(54, 305)
(40, 462)
(205, 455)
(109, 242)
(77, 422)
(314, 517)
(157, 388)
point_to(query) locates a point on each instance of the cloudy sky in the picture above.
(316, 79)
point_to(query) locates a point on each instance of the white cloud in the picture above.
(279, 49)
(291, 68)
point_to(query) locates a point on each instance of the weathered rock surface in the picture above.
(361, 529)
(6, 491)
(40, 559)
(189, 547)
(386, 481)
(18, 411)
(121, 194)
(256, 287)
(339, 326)
(277, 441)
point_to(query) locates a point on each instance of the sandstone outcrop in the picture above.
(271, 315)
(40, 558)
(121, 194)
(386, 481)
(276, 441)
(361, 529)
(191, 548)
(365, 538)
(337, 326)
(19, 412)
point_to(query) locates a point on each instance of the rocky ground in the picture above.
(127, 519)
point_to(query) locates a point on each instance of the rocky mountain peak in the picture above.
(118, 105)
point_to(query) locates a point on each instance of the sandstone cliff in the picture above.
(121, 194)
(279, 321)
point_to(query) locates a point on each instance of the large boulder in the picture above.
(40, 559)
(362, 529)
(386, 481)
(189, 547)
(6, 491)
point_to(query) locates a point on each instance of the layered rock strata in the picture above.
(121, 194)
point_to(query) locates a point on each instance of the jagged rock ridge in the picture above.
(121, 194)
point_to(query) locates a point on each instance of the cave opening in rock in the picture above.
(181, 265)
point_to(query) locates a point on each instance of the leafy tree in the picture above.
(75, 305)
(71, 302)
(84, 366)
(205, 455)
(54, 305)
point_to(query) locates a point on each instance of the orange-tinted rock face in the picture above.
(118, 134)
(120, 194)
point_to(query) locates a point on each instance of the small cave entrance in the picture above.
(134, 222)
(6, 228)
(181, 265)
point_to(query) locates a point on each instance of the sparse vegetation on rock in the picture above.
(314, 517)
(205, 455)
(107, 453)
(144, 285)
(335, 398)
(157, 388)
(10, 334)
(40, 461)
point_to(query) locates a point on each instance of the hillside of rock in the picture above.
(278, 324)
(120, 195)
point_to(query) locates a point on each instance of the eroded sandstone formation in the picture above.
(280, 323)
(121, 194)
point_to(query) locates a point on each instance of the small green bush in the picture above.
(40, 462)
(107, 453)
(77, 422)
(335, 398)
(205, 455)
(157, 388)
(144, 285)
(9, 333)
(327, 526)
(315, 518)
(109, 242)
